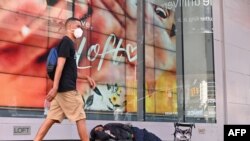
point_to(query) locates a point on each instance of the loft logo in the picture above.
(21, 130)
(236, 132)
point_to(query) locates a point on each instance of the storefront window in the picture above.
(179, 73)
(183, 61)
(198, 61)
(160, 68)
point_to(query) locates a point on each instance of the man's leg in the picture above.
(82, 130)
(44, 129)
(149, 136)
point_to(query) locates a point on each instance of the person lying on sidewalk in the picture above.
(121, 132)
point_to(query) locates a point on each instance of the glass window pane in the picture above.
(198, 63)
(161, 84)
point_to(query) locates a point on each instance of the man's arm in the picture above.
(60, 64)
(91, 81)
(120, 125)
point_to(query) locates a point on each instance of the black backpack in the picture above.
(52, 62)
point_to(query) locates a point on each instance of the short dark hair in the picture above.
(98, 126)
(71, 19)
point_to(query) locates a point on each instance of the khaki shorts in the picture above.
(67, 104)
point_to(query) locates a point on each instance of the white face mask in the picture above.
(78, 32)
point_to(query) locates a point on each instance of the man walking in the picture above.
(64, 98)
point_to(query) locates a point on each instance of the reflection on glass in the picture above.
(199, 76)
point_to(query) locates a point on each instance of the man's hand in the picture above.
(91, 82)
(52, 94)
(110, 134)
